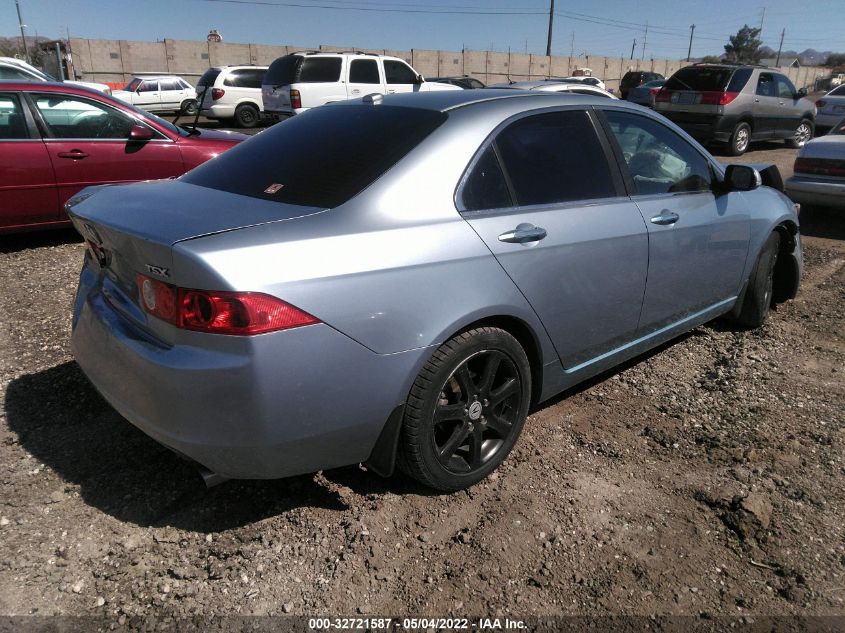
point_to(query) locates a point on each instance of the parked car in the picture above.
(13, 69)
(304, 80)
(232, 93)
(410, 275)
(819, 177)
(831, 108)
(589, 80)
(465, 81)
(553, 85)
(165, 93)
(645, 94)
(56, 139)
(634, 78)
(737, 105)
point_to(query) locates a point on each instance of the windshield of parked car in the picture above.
(132, 86)
(700, 79)
(320, 158)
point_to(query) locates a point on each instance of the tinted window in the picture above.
(330, 154)
(700, 79)
(581, 91)
(245, 78)
(148, 86)
(170, 84)
(74, 117)
(398, 73)
(555, 157)
(320, 70)
(766, 85)
(659, 161)
(283, 70)
(12, 122)
(739, 79)
(15, 73)
(132, 86)
(785, 88)
(485, 188)
(209, 77)
(364, 71)
(839, 92)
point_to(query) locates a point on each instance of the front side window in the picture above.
(785, 88)
(659, 161)
(555, 157)
(12, 121)
(77, 118)
(485, 187)
(148, 86)
(398, 72)
(320, 70)
(766, 85)
(364, 71)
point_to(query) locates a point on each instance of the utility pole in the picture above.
(572, 45)
(645, 39)
(762, 19)
(780, 46)
(551, 21)
(23, 32)
(691, 31)
(633, 48)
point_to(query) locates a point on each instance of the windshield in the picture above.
(132, 86)
(330, 154)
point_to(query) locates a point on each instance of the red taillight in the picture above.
(295, 99)
(663, 95)
(717, 98)
(217, 93)
(819, 166)
(219, 312)
(821, 103)
(653, 91)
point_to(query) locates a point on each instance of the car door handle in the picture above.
(523, 233)
(390, 92)
(665, 217)
(76, 153)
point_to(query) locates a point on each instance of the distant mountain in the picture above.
(809, 57)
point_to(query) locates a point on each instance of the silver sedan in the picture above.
(398, 279)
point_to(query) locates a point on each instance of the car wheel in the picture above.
(740, 139)
(758, 297)
(246, 115)
(466, 409)
(188, 107)
(803, 134)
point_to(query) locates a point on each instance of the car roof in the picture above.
(48, 86)
(145, 77)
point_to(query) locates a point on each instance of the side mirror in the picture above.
(140, 133)
(741, 178)
(802, 92)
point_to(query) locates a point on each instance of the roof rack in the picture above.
(736, 64)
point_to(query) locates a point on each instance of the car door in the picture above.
(544, 198)
(27, 183)
(767, 108)
(399, 77)
(172, 93)
(88, 144)
(789, 110)
(148, 95)
(698, 241)
(364, 78)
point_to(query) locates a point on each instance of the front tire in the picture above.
(740, 139)
(246, 116)
(803, 133)
(466, 409)
(758, 297)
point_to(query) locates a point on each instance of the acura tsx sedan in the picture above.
(397, 279)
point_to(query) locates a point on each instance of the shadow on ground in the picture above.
(37, 239)
(62, 421)
(821, 222)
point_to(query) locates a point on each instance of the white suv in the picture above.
(165, 93)
(232, 92)
(305, 80)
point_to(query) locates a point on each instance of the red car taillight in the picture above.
(295, 99)
(718, 98)
(663, 95)
(217, 93)
(653, 91)
(820, 103)
(219, 312)
(820, 166)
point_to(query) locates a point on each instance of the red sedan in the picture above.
(56, 139)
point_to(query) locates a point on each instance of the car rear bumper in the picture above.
(218, 111)
(828, 120)
(261, 407)
(811, 191)
(703, 127)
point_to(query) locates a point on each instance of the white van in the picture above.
(305, 80)
(232, 92)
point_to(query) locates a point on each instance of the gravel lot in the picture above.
(705, 478)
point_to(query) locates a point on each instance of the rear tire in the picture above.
(759, 296)
(188, 107)
(466, 409)
(246, 115)
(740, 139)
(803, 133)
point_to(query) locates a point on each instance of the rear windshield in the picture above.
(701, 79)
(320, 158)
(283, 70)
(209, 77)
(292, 69)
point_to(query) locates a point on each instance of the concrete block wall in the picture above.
(117, 60)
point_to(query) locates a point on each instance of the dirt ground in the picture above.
(705, 478)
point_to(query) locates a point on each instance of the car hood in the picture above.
(832, 146)
(170, 211)
(219, 135)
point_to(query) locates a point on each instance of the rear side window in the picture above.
(283, 70)
(329, 154)
(555, 157)
(15, 73)
(209, 77)
(739, 79)
(700, 79)
(364, 71)
(398, 72)
(485, 188)
(170, 84)
(319, 70)
(245, 78)
(12, 122)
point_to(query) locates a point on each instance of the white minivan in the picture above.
(305, 80)
(232, 93)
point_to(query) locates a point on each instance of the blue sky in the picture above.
(600, 27)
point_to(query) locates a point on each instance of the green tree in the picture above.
(835, 59)
(711, 59)
(744, 47)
